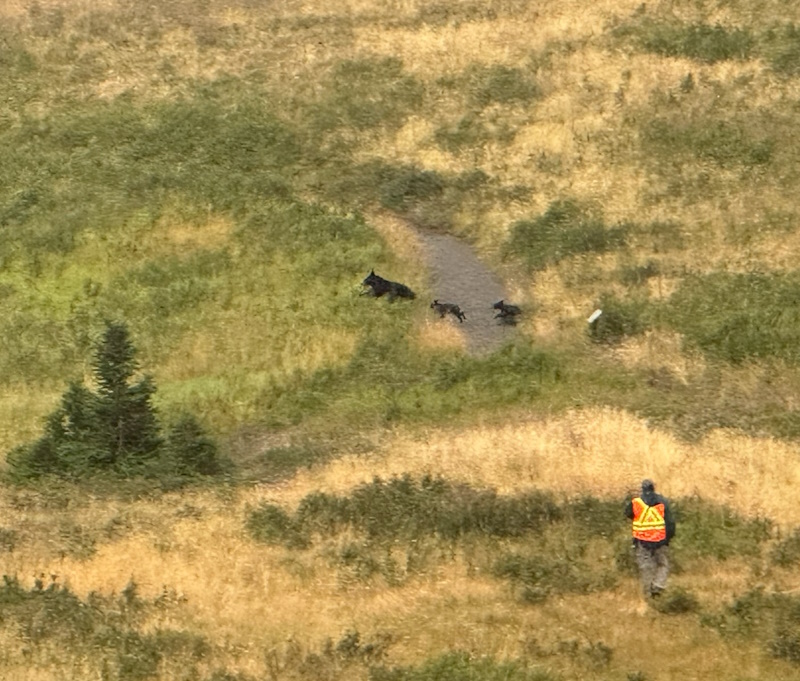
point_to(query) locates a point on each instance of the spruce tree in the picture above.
(126, 420)
(116, 428)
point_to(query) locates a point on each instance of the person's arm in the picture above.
(629, 509)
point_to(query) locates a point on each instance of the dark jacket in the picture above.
(651, 499)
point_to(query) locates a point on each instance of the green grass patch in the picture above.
(780, 46)
(739, 317)
(566, 229)
(363, 94)
(701, 42)
(726, 144)
(472, 131)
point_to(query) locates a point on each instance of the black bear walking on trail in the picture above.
(507, 313)
(379, 287)
(452, 308)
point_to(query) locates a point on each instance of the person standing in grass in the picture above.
(653, 528)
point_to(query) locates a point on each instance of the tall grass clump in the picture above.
(738, 317)
(402, 508)
(565, 229)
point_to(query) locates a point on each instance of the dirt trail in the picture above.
(458, 276)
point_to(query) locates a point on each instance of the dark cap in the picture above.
(648, 485)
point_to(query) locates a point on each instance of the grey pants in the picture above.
(653, 568)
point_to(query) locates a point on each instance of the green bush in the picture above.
(272, 525)
(620, 319)
(771, 618)
(107, 631)
(566, 229)
(705, 530)
(540, 574)
(406, 509)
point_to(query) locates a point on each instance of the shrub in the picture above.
(708, 530)
(105, 630)
(271, 524)
(403, 508)
(541, 574)
(619, 319)
(564, 230)
(771, 618)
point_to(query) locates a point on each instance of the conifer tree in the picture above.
(116, 428)
(126, 419)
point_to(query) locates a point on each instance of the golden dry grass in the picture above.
(601, 452)
(261, 598)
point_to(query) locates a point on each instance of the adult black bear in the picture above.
(380, 287)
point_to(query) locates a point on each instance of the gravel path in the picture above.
(458, 276)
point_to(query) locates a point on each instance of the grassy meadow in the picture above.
(222, 175)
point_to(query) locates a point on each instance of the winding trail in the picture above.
(458, 276)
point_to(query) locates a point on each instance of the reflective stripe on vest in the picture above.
(648, 521)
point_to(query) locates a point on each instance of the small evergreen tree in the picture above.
(115, 429)
(125, 415)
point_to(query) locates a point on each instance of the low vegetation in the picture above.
(202, 412)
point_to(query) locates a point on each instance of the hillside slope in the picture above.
(222, 175)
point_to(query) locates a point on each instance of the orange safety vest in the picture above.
(648, 521)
